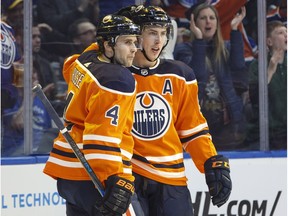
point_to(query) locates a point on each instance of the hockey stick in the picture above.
(54, 116)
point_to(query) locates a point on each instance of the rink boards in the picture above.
(259, 187)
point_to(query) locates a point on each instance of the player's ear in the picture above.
(107, 45)
(269, 41)
(108, 49)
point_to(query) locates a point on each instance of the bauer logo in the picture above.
(152, 116)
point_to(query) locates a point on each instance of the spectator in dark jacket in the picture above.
(277, 88)
(217, 66)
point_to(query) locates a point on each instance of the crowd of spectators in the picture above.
(218, 39)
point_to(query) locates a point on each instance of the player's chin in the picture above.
(154, 55)
(129, 62)
(126, 64)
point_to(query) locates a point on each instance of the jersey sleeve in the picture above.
(191, 125)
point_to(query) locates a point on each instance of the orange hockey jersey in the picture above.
(99, 117)
(167, 119)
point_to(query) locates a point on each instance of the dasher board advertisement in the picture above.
(259, 188)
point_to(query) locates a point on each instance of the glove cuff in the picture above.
(121, 183)
(217, 162)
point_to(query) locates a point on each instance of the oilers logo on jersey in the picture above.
(8, 47)
(152, 116)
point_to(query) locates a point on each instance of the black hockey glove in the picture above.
(117, 196)
(217, 173)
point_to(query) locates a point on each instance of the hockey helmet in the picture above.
(141, 15)
(113, 25)
(151, 15)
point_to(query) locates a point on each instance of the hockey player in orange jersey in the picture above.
(167, 119)
(99, 117)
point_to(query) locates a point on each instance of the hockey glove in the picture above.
(117, 196)
(217, 174)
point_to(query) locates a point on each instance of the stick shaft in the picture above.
(54, 116)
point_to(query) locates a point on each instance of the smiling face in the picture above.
(207, 22)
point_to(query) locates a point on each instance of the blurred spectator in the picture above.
(12, 131)
(177, 8)
(12, 14)
(183, 35)
(277, 88)
(11, 77)
(46, 75)
(227, 10)
(111, 6)
(217, 65)
(54, 45)
(283, 11)
(181, 10)
(277, 10)
(9, 92)
(159, 3)
(60, 14)
(9, 54)
(56, 92)
(55, 18)
(82, 33)
(43, 132)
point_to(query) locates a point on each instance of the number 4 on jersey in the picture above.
(113, 113)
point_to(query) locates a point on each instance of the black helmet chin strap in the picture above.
(112, 43)
(145, 55)
(112, 59)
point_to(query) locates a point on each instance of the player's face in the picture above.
(153, 40)
(207, 23)
(125, 49)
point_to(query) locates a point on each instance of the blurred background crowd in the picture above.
(218, 39)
